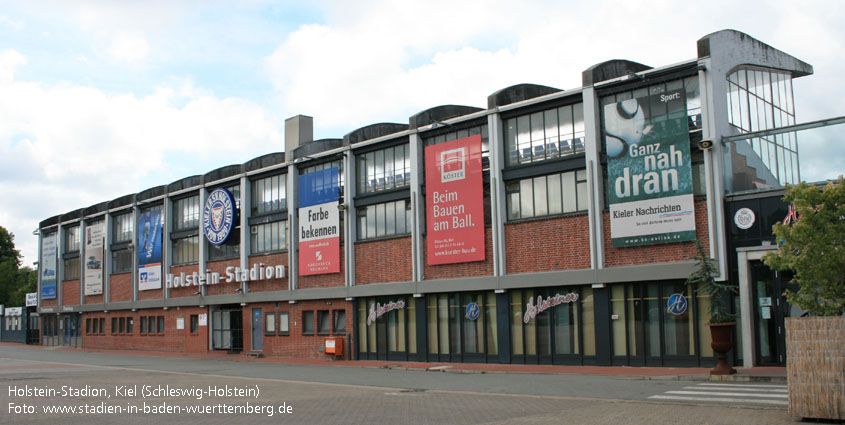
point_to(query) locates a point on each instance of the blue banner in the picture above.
(48, 267)
(149, 238)
(318, 187)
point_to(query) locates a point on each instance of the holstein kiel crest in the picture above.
(218, 216)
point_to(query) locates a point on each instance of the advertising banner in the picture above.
(149, 250)
(48, 266)
(454, 202)
(94, 242)
(649, 177)
(319, 223)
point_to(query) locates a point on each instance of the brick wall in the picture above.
(220, 267)
(325, 280)
(662, 253)
(120, 287)
(70, 292)
(50, 303)
(295, 344)
(182, 291)
(548, 244)
(270, 284)
(476, 268)
(173, 340)
(94, 299)
(153, 294)
(383, 261)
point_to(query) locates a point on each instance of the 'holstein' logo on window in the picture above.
(453, 165)
(218, 216)
(532, 310)
(377, 310)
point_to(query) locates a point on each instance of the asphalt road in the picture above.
(51, 383)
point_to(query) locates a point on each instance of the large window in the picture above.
(269, 195)
(760, 99)
(121, 253)
(185, 233)
(553, 133)
(70, 254)
(385, 219)
(547, 195)
(326, 166)
(384, 169)
(269, 225)
(230, 248)
(563, 332)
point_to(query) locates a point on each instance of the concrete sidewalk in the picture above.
(757, 374)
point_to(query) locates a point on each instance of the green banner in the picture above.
(649, 177)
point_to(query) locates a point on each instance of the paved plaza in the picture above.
(75, 387)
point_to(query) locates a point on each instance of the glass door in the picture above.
(770, 311)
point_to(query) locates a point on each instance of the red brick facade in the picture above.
(120, 287)
(554, 244)
(70, 292)
(223, 287)
(383, 261)
(173, 339)
(182, 291)
(270, 284)
(656, 253)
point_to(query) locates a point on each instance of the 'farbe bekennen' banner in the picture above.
(48, 266)
(454, 202)
(149, 250)
(94, 259)
(319, 223)
(649, 178)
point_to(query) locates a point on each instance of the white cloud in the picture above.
(126, 47)
(63, 147)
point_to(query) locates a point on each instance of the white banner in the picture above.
(654, 220)
(32, 299)
(94, 242)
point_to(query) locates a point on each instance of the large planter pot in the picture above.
(721, 341)
(815, 366)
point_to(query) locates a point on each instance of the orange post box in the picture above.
(334, 345)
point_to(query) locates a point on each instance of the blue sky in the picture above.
(155, 91)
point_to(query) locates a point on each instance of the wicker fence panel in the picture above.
(815, 366)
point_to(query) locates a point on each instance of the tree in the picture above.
(813, 247)
(15, 282)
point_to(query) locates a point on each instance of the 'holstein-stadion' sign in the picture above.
(649, 181)
(454, 202)
(319, 223)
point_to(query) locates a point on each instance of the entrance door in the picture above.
(770, 310)
(257, 330)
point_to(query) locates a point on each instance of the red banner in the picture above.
(454, 201)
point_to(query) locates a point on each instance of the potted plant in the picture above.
(722, 320)
(812, 245)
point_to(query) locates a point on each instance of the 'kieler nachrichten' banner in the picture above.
(649, 178)
(94, 236)
(48, 267)
(454, 202)
(149, 250)
(319, 223)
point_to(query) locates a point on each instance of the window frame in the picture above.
(334, 316)
(279, 330)
(323, 316)
(267, 322)
(306, 321)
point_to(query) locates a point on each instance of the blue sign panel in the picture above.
(149, 238)
(677, 304)
(473, 311)
(318, 187)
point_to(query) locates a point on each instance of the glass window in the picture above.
(186, 250)
(71, 268)
(324, 325)
(307, 322)
(114, 325)
(269, 237)
(130, 321)
(269, 194)
(326, 166)
(87, 326)
(384, 169)
(186, 213)
(122, 228)
(283, 323)
(383, 220)
(161, 324)
(143, 325)
(122, 326)
(71, 239)
(121, 261)
(195, 323)
(95, 329)
(339, 321)
(547, 195)
(152, 325)
(270, 324)
(231, 248)
(102, 325)
(549, 134)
